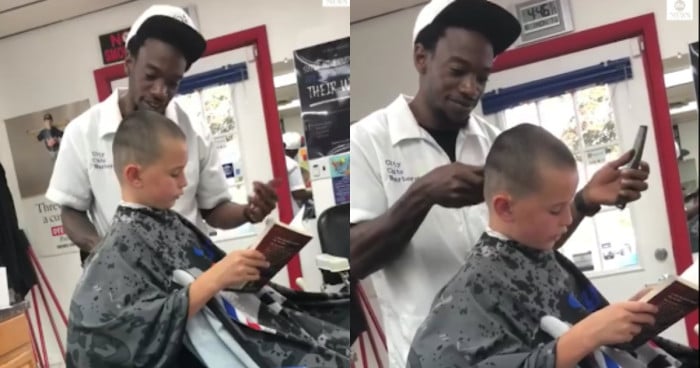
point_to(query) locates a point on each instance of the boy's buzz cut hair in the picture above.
(514, 161)
(139, 139)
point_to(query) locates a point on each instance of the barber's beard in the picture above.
(447, 121)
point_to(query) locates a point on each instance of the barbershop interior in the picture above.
(261, 90)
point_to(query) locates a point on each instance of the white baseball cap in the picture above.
(171, 24)
(498, 25)
(292, 140)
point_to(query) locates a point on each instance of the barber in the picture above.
(417, 168)
(162, 45)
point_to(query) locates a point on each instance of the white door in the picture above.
(617, 249)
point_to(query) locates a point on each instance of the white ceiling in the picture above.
(17, 16)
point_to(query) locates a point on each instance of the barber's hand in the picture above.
(614, 184)
(238, 267)
(453, 185)
(262, 202)
(617, 323)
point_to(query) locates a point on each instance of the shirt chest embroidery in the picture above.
(100, 161)
(396, 172)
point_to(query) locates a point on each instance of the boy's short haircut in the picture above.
(139, 139)
(516, 156)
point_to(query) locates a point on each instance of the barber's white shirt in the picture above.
(296, 180)
(84, 179)
(389, 151)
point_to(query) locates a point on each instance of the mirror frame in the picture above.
(256, 37)
(643, 26)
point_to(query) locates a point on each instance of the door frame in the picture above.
(643, 26)
(256, 37)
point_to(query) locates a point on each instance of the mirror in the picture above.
(680, 77)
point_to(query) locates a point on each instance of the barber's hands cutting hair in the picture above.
(453, 185)
(459, 185)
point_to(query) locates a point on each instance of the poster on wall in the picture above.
(304, 166)
(340, 175)
(323, 79)
(35, 139)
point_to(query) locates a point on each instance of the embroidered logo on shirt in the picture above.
(395, 172)
(99, 162)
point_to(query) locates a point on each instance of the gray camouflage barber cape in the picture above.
(127, 311)
(506, 307)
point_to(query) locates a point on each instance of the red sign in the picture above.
(113, 46)
(57, 230)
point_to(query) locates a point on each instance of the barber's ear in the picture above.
(420, 58)
(132, 175)
(129, 61)
(502, 204)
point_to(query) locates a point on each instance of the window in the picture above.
(584, 119)
(215, 105)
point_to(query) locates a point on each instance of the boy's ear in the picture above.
(502, 205)
(132, 175)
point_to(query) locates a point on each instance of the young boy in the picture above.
(126, 310)
(517, 302)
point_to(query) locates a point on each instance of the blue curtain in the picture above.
(607, 72)
(225, 75)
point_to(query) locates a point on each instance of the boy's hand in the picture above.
(453, 185)
(641, 293)
(617, 323)
(262, 203)
(239, 266)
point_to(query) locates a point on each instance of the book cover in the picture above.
(675, 298)
(279, 243)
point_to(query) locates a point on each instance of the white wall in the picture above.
(293, 123)
(381, 47)
(52, 66)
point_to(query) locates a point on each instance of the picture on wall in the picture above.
(35, 140)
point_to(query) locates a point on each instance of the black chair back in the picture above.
(334, 237)
(334, 231)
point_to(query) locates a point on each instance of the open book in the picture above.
(279, 243)
(676, 297)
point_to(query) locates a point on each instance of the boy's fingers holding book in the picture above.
(251, 273)
(643, 319)
(640, 294)
(258, 263)
(640, 307)
(254, 258)
(252, 254)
